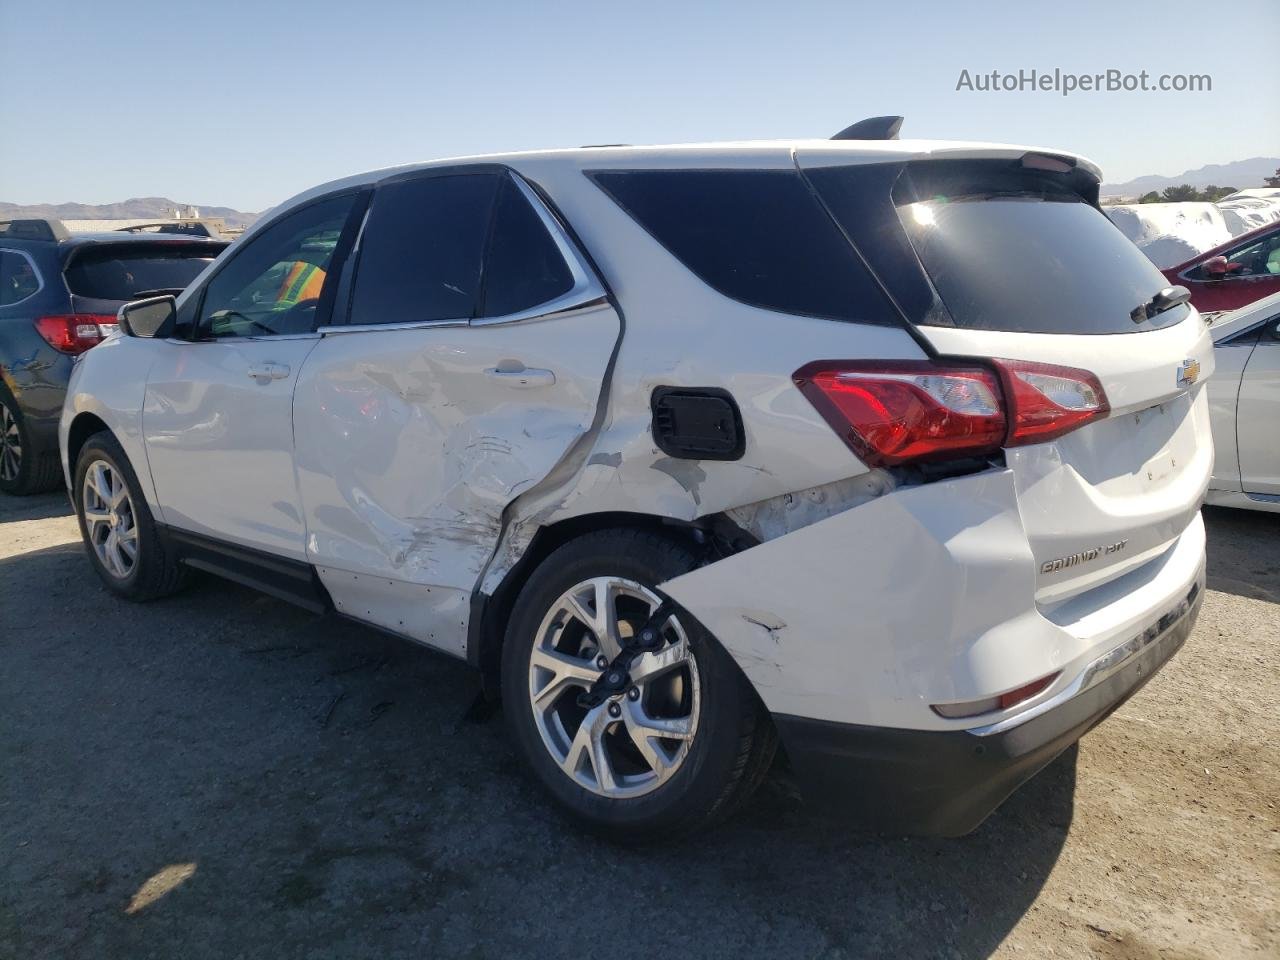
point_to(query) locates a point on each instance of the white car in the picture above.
(1244, 407)
(890, 451)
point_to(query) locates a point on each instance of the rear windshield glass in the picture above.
(758, 236)
(1020, 252)
(119, 274)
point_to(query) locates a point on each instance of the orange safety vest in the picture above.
(303, 282)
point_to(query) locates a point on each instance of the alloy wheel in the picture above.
(110, 519)
(637, 738)
(10, 445)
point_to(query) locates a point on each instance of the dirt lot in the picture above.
(220, 775)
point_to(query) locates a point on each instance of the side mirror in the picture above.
(153, 317)
(1218, 267)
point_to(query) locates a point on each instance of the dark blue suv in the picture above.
(58, 297)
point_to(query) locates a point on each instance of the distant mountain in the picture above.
(1240, 174)
(159, 208)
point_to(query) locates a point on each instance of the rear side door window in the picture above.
(523, 266)
(422, 250)
(18, 278)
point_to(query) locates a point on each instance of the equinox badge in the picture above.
(1188, 372)
(1084, 556)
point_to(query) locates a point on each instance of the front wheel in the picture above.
(625, 708)
(120, 535)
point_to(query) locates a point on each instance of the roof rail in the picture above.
(872, 128)
(34, 228)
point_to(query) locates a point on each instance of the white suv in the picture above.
(891, 452)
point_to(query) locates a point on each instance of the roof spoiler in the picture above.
(872, 128)
(34, 229)
(190, 228)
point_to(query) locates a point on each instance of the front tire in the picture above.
(680, 745)
(120, 535)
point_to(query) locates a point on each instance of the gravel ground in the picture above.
(220, 775)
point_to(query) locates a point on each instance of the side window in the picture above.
(1260, 258)
(758, 236)
(18, 278)
(422, 248)
(523, 267)
(273, 285)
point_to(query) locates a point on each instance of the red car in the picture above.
(1244, 269)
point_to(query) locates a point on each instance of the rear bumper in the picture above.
(946, 782)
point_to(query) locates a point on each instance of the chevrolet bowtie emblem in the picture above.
(1188, 372)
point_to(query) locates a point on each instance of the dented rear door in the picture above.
(415, 429)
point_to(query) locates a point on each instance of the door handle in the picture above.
(263, 372)
(522, 376)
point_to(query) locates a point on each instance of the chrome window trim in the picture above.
(586, 289)
(34, 269)
(1249, 336)
(337, 329)
(587, 292)
(314, 335)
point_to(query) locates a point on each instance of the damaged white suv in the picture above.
(889, 453)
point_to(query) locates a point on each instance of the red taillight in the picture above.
(897, 411)
(75, 332)
(893, 412)
(1048, 401)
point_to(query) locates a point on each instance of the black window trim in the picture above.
(587, 291)
(35, 268)
(361, 196)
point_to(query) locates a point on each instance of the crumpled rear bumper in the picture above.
(947, 782)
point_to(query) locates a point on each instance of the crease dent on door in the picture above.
(409, 454)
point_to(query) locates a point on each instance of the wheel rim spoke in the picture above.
(10, 445)
(566, 672)
(588, 749)
(649, 666)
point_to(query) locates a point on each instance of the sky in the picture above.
(244, 104)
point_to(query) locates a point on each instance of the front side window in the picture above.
(274, 285)
(422, 248)
(18, 278)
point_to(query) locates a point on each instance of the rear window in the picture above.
(758, 236)
(127, 274)
(1013, 250)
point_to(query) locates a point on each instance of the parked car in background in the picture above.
(59, 293)
(1236, 273)
(1244, 407)
(892, 451)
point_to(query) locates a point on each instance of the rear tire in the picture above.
(651, 787)
(24, 468)
(120, 535)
